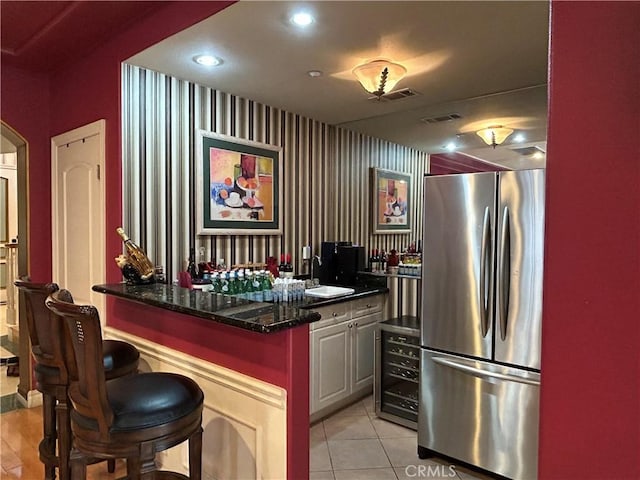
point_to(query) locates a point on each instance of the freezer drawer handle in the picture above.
(483, 373)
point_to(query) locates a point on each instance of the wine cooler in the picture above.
(398, 371)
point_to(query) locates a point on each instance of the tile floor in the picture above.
(354, 444)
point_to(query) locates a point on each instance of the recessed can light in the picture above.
(302, 19)
(314, 73)
(207, 60)
(519, 138)
(450, 146)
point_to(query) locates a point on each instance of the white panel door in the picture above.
(78, 213)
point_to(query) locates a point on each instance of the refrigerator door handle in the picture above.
(478, 372)
(504, 280)
(485, 255)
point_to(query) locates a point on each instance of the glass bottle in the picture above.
(137, 257)
(267, 288)
(258, 295)
(191, 264)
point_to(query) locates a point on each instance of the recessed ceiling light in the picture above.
(302, 19)
(519, 138)
(207, 60)
(450, 146)
(314, 73)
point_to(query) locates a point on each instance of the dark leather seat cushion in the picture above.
(117, 355)
(147, 400)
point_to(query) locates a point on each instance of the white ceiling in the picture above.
(486, 61)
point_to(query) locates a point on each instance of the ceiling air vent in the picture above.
(526, 151)
(442, 118)
(396, 95)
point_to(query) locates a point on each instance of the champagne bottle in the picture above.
(137, 257)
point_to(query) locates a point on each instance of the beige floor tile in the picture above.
(354, 454)
(386, 429)
(403, 451)
(369, 406)
(366, 474)
(321, 475)
(353, 409)
(319, 460)
(349, 428)
(316, 434)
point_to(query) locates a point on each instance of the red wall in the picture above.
(25, 108)
(590, 404)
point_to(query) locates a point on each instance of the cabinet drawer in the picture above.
(331, 315)
(367, 305)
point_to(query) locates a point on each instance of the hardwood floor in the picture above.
(21, 432)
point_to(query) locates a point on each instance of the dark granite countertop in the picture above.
(246, 314)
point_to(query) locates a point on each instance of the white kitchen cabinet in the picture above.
(342, 353)
(362, 353)
(330, 380)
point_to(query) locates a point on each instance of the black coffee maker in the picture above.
(341, 262)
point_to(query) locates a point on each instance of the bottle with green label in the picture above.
(267, 288)
(224, 283)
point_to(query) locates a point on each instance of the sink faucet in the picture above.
(315, 266)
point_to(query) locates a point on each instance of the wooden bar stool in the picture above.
(129, 417)
(48, 337)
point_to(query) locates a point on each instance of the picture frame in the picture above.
(238, 186)
(391, 200)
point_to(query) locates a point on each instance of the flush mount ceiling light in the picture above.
(494, 135)
(207, 60)
(379, 76)
(302, 19)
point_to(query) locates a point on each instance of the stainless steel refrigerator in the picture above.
(481, 315)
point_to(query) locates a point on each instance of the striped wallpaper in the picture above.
(326, 174)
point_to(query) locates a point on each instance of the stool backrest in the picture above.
(46, 332)
(87, 389)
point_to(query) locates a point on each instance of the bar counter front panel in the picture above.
(264, 341)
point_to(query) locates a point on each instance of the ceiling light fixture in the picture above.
(494, 135)
(379, 76)
(302, 19)
(207, 60)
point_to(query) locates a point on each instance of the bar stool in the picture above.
(130, 417)
(48, 337)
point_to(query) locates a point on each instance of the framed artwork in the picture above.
(238, 187)
(391, 201)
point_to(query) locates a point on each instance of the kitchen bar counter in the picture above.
(249, 315)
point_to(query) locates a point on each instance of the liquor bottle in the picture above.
(137, 257)
(376, 260)
(282, 267)
(191, 265)
(288, 265)
(383, 262)
(372, 264)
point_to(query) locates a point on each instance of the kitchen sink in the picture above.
(328, 291)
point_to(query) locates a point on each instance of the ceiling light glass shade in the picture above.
(379, 76)
(494, 135)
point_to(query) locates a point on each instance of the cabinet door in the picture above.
(363, 335)
(330, 365)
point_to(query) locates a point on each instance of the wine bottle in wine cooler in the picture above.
(137, 257)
